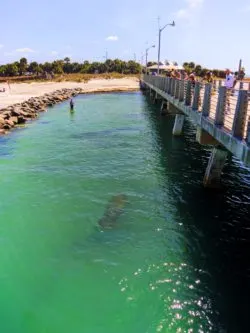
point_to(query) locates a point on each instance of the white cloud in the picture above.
(1, 46)
(192, 7)
(54, 52)
(112, 38)
(25, 50)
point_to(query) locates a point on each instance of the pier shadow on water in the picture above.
(216, 223)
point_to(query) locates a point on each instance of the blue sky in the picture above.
(213, 33)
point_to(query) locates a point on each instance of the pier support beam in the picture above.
(215, 165)
(178, 124)
(164, 107)
(204, 138)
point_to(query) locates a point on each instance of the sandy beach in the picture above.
(20, 92)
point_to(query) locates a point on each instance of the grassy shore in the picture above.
(77, 77)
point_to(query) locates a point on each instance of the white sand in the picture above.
(20, 92)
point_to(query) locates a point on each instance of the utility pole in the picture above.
(240, 64)
(159, 43)
(147, 56)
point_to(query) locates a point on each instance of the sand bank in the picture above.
(21, 92)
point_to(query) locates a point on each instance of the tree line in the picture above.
(22, 67)
(201, 71)
(191, 67)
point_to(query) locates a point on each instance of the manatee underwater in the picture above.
(106, 231)
(114, 209)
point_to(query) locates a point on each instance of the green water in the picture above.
(59, 272)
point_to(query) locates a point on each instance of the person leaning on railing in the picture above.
(209, 79)
(230, 83)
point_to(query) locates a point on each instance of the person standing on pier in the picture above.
(230, 83)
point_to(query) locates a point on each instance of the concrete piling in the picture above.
(216, 163)
(178, 124)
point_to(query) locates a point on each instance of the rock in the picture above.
(15, 112)
(21, 120)
(6, 114)
(8, 123)
(14, 120)
(2, 132)
(2, 120)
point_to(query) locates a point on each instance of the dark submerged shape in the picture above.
(113, 211)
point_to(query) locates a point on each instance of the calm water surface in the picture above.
(177, 260)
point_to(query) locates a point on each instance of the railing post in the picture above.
(248, 132)
(220, 83)
(170, 85)
(162, 83)
(241, 84)
(177, 89)
(181, 91)
(214, 84)
(207, 100)
(240, 116)
(156, 82)
(166, 85)
(220, 108)
(173, 87)
(196, 98)
(188, 94)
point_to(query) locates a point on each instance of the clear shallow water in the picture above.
(178, 258)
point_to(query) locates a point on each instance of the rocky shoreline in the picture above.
(18, 114)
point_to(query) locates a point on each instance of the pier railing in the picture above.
(227, 109)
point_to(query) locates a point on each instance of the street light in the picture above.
(147, 56)
(159, 45)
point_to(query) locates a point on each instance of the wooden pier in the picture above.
(222, 117)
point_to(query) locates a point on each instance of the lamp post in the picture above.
(147, 56)
(159, 45)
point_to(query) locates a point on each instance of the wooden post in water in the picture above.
(188, 94)
(181, 91)
(207, 100)
(240, 116)
(196, 98)
(221, 106)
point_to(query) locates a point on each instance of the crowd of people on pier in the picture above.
(230, 81)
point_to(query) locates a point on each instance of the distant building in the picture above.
(167, 67)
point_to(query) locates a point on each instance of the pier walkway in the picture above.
(222, 118)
